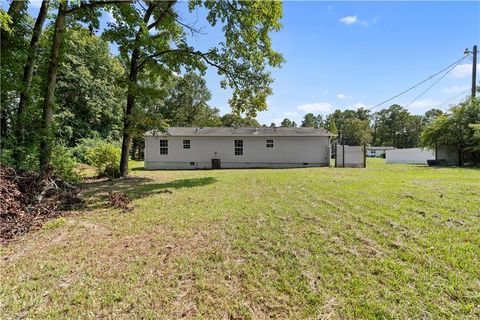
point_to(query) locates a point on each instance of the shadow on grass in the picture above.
(96, 192)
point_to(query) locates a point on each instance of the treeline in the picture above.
(62, 89)
(397, 127)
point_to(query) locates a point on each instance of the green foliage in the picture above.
(286, 123)
(235, 120)
(459, 127)
(106, 158)
(396, 127)
(312, 121)
(356, 132)
(63, 164)
(88, 96)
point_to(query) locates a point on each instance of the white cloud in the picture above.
(343, 96)
(456, 89)
(349, 20)
(324, 107)
(426, 103)
(291, 114)
(462, 70)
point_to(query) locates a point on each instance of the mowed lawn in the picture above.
(386, 242)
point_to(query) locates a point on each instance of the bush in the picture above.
(106, 158)
(64, 164)
(85, 146)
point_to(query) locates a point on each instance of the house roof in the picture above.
(380, 148)
(241, 131)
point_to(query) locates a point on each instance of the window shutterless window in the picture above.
(186, 144)
(238, 147)
(163, 146)
(269, 143)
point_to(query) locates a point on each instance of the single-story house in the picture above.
(409, 155)
(377, 151)
(242, 147)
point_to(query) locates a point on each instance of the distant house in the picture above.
(409, 155)
(212, 148)
(377, 151)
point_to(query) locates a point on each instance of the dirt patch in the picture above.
(119, 200)
(27, 200)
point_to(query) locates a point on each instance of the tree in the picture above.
(309, 120)
(28, 76)
(156, 40)
(356, 132)
(187, 103)
(235, 120)
(286, 123)
(457, 128)
(396, 127)
(88, 98)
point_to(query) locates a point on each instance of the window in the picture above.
(238, 147)
(269, 143)
(163, 146)
(186, 144)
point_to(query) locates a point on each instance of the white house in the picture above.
(409, 155)
(211, 148)
(377, 151)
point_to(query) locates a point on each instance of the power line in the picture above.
(452, 98)
(421, 82)
(432, 85)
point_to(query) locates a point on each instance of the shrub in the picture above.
(64, 164)
(82, 150)
(106, 158)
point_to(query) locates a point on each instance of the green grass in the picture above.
(386, 242)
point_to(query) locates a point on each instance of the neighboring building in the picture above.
(410, 155)
(205, 148)
(377, 151)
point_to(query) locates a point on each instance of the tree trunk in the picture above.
(127, 121)
(28, 73)
(49, 99)
(131, 97)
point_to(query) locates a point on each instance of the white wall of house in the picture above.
(287, 151)
(410, 155)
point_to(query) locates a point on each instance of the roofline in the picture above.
(239, 135)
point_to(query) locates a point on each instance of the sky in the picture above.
(343, 55)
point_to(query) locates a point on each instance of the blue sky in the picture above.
(348, 54)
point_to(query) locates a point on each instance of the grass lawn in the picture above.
(386, 242)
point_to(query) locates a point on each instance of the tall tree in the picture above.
(28, 76)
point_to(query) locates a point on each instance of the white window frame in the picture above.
(186, 144)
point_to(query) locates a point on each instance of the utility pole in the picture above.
(474, 72)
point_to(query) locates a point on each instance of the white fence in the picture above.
(410, 155)
(350, 156)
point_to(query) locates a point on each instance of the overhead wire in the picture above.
(449, 68)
